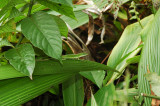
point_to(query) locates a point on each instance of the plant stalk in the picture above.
(30, 8)
(150, 96)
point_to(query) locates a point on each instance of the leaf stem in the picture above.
(138, 19)
(30, 8)
(150, 96)
(20, 40)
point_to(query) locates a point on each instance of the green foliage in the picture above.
(54, 67)
(104, 96)
(154, 81)
(42, 30)
(20, 90)
(61, 6)
(73, 92)
(5, 42)
(22, 59)
(32, 33)
(95, 76)
(149, 57)
(127, 47)
(10, 26)
(93, 101)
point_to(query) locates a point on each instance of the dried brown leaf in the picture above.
(90, 27)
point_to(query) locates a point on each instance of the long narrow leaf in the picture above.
(104, 96)
(54, 67)
(20, 90)
(126, 47)
(73, 91)
(150, 56)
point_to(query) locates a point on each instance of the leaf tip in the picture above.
(31, 77)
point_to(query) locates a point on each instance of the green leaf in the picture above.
(73, 92)
(35, 8)
(42, 30)
(121, 95)
(3, 3)
(127, 47)
(10, 26)
(134, 59)
(80, 7)
(104, 96)
(9, 6)
(95, 76)
(61, 6)
(15, 13)
(62, 26)
(101, 4)
(54, 90)
(93, 101)
(54, 67)
(66, 2)
(150, 56)
(133, 17)
(146, 29)
(154, 81)
(22, 59)
(15, 92)
(5, 42)
(74, 56)
(81, 17)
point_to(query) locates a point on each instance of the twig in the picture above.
(106, 57)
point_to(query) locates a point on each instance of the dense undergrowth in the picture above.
(80, 52)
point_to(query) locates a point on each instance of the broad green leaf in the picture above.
(54, 67)
(61, 6)
(154, 81)
(42, 30)
(81, 17)
(62, 26)
(127, 47)
(10, 26)
(5, 42)
(104, 96)
(95, 76)
(15, 92)
(22, 58)
(35, 8)
(150, 57)
(73, 91)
